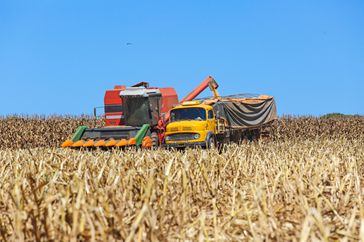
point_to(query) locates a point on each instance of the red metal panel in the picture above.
(112, 97)
(114, 119)
(169, 99)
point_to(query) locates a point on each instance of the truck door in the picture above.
(211, 121)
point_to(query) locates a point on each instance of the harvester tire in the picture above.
(155, 139)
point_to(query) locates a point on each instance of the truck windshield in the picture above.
(198, 114)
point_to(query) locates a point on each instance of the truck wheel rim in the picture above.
(212, 143)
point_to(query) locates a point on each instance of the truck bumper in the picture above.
(185, 145)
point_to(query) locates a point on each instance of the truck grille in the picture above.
(183, 136)
(185, 128)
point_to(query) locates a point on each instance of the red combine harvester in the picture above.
(134, 116)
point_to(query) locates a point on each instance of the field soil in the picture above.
(303, 181)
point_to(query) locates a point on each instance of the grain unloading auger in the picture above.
(134, 116)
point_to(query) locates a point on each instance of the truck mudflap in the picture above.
(110, 137)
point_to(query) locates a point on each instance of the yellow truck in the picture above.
(191, 124)
(218, 121)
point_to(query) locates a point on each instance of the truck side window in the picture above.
(210, 114)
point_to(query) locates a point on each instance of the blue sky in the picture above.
(58, 57)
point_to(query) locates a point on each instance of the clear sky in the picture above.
(59, 56)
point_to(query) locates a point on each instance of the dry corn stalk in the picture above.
(291, 186)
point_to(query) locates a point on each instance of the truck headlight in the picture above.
(196, 136)
(168, 138)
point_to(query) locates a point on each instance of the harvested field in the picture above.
(31, 132)
(303, 182)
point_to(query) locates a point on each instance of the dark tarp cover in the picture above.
(240, 114)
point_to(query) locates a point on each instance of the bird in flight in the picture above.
(128, 43)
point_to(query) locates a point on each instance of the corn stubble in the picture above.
(299, 184)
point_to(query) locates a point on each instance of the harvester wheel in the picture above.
(155, 139)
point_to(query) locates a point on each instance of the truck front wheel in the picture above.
(211, 142)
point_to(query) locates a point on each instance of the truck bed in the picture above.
(243, 113)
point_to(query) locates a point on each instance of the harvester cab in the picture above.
(142, 106)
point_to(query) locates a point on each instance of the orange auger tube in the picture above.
(100, 143)
(147, 142)
(122, 143)
(78, 143)
(132, 141)
(89, 143)
(67, 143)
(111, 143)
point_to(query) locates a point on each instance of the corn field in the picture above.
(303, 182)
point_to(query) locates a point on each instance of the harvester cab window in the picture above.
(135, 109)
(197, 114)
(155, 104)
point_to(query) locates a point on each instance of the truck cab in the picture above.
(191, 124)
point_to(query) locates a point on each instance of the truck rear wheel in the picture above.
(255, 134)
(252, 135)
